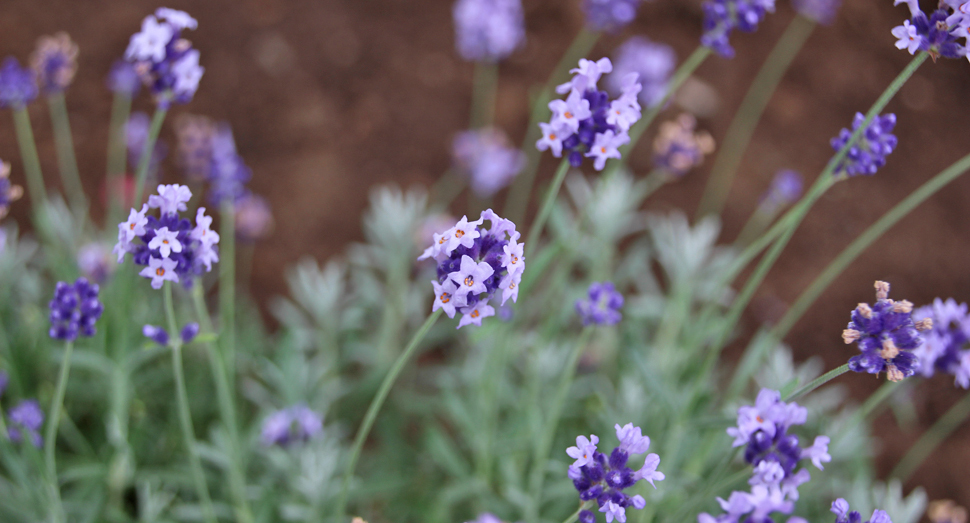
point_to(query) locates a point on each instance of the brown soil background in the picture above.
(329, 98)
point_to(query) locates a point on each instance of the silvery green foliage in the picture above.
(691, 254)
(153, 501)
(322, 304)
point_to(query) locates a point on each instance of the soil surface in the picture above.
(329, 98)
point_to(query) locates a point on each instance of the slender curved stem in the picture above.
(120, 111)
(375, 407)
(28, 153)
(742, 127)
(575, 515)
(66, 160)
(50, 435)
(536, 230)
(141, 175)
(818, 382)
(931, 439)
(227, 288)
(185, 417)
(484, 92)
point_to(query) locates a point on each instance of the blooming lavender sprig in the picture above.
(488, 30)
(74, 310)
(653, 61)
(721, 17)
(487, 158)
(291, 425)
(786, 187)
(678, 148)
(55, 62)
(26, 419)
(228, 173)
(886, 335)
(9, 192)
(160, 335)
(602, 306)
(944, 347)
(123, 79)
(822, 11)
(169, 246)
(164, 60)
(18, 85)
(869, 152)
(936, 34)
(601, 478)
(840, 508)
(587, 123)
(474, 264)
(610, 15)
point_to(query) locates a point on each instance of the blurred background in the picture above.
(330, 98)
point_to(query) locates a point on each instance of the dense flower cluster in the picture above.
(228, 173)
(602, 307)
(9, 192)
(55, 62)
(822, 11)
(587, 123)
(74, 310)
(653, 61)
(164, 60)
(886, 335)
(160, 335)
(123, 79)
(291, 425)
(601, 478)
(610, 15)
(487, 158)
(474, 264)
(488, 30)
(936, 34)
(944, 347)
(840, 508)
(18, 85)
(723, 16)
(869, 152)
(25, 421)
(678, 148)
(171, 248)
(785, 188)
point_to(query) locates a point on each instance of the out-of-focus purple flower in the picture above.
(18, 85)
(26, 419)
(486, 517)
(488, 30)
(194, 134)
(9, 192)
(869, 152)
(291, 425)
(840, 508)
(721, 17)
(55, 62)
(228, 173)
(886, 335)
(610, 15)
(487, 158)
(936, 34)
(822, 11)
(74, 310)
(818, 452)
(189, 332)
(943, 347)
(4, 380)
(786, 187)
(156, 334)
(678, 148)
(254, 219)
(653, 62)
(94, 261)
(136, 134)
(163, 59)
(602, 306)
(123, 79)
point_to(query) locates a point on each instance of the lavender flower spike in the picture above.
(292, 425)
(609, 15)
(487, 159)
(9, 192)
(840, 508)
(26, 419)
(822, 11)
(602, 306)
(869, 152)
(55, 62)
(156, 334)
(785, 189)
(164, 60)
(943, 344)
(721, 17)
(18, 85)
(74, 310)
(678, 148)
(488, 30)
(653, 62)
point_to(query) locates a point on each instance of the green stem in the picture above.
(117, 149)
(66, 160)
(546, 209)
(375, 407)
(755, 226)
(50, 435)
(544, 443)
(521, 190)
(28, 153)
(575, 515)
(227, 288)
(742, 127)
(141, 175)
(484, 92)
(185, 417)
(931, 439)
(818, 382)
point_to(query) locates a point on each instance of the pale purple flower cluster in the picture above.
(25, 421)
(587, 123)
(94, 261)
(18, 85)
(55, 62)
(74, 310)
(786, 187)
(886, 335)
(822, 11)
(610, 15)
(601, 478)
(679, 147)
(194, 134)
(228, 173)
(653, 61)
(602, 306)
(488, 30)
(9, 192)
(723, 16)
(474, 264)
(487, 158)
(869, 152)
(164, 60)
(291, 425)
(170, 247)
(936, 34)
(254, 219)
(944, 347)
(486, 517)
(774, 455)
(840, 508)
(160, 335)
(123, 79)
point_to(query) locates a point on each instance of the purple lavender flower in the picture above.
(189, 250)
(55, 62)
(4, 380)
(604, 478)
(936, 34)
(94, 261)
(228, 173)
(723, 16)
(189, 332)
(487, 159)
(485, 517)
(602, 307)
(194, 134)
(26, 419)
(473, 264)
(488, 30)
(786, 187)
(9, 192)
(74, 310)
(136, 134)
(840, 508)
(944, 345)
(869, 152)
(156, 334)
(123, 79)
(822, 11)
(254, 219)
(291, 425)
(653, 62)
(587, 123)
(886, 335)
(163, 59)
(678, 148)
(18, 85)
(609, 15)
